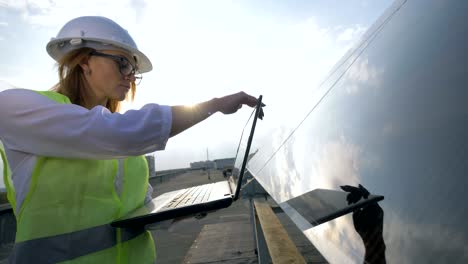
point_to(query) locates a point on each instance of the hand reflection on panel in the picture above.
(368, 222)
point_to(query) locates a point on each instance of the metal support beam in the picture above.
(261, 246)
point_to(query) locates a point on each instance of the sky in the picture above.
(200, 50)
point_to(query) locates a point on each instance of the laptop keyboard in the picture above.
(193, 195)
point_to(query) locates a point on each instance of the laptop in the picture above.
(202, 198)
(323, 205)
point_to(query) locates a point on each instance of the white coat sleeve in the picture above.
(32, 123)
(149, 194)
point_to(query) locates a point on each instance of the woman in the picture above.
(74, 163)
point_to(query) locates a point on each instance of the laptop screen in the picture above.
(243, 149)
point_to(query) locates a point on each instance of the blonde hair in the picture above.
(72, 81)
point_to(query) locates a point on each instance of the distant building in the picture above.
(221, 164)
(217, 164)
(208, 164)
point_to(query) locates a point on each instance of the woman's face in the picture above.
(104, 75)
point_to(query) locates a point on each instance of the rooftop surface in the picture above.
(223, 236)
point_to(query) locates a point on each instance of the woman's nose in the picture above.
(130, 77)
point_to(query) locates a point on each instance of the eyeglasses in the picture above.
(125, 67)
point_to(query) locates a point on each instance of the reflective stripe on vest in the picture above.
(70, 202)
(53, 249)
(7, 179)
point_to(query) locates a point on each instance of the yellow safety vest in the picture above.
(65, 215)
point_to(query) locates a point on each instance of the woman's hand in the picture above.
(231, 103)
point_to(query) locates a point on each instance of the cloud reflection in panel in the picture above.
(321, 157)
(315, 157)
(395, 121)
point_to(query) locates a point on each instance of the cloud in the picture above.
(361, 75)
(337, 165)
(436, 242)
(139, 6)
(305, 163)
(5, 86)
(51, 14)
(11, 4)
(39, 7)
(352, 33)
(29, 8)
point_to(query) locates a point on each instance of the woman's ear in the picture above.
(84, 64)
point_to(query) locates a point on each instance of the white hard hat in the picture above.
(98, 33)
